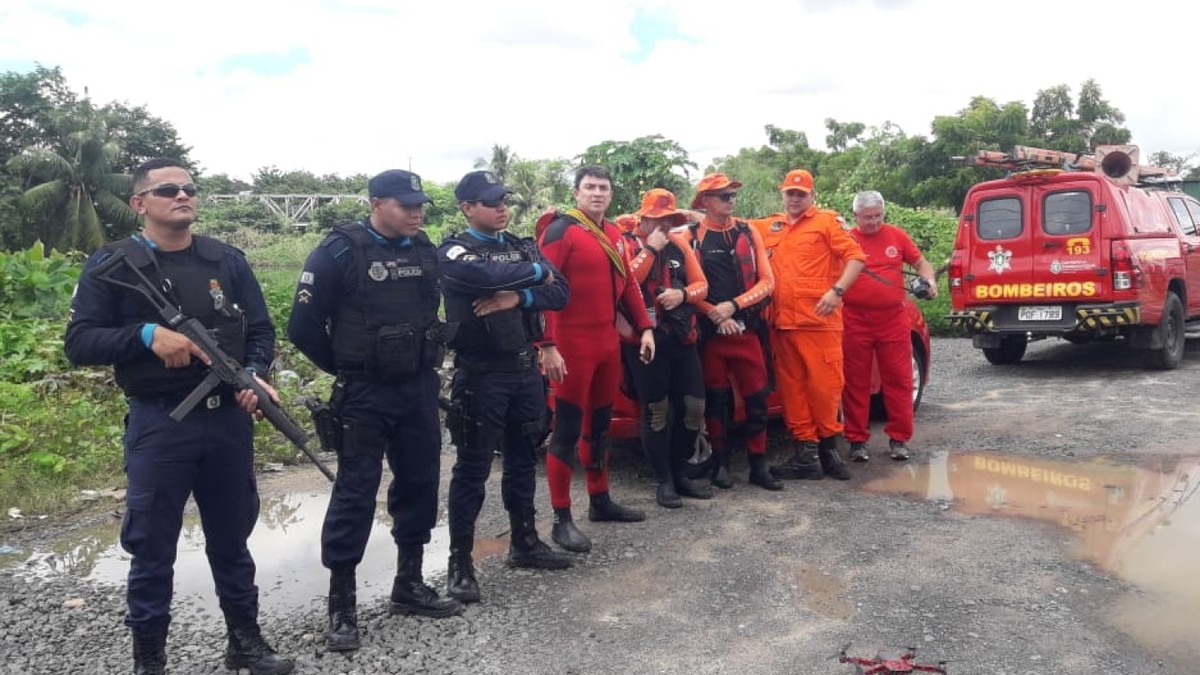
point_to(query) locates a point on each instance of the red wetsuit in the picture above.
(876, 327)
(585, 332)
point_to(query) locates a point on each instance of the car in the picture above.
(1084, 248)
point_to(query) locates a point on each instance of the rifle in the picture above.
(223, 368)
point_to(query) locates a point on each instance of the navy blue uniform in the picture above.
(209, 454)
(498, 382)
(366, 310)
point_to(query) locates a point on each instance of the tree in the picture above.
(1058, 123)
(761, 169)
(72, 193)
(639, 165)
(502, 158)
(141, 136)
(28, 102)
(842, 135)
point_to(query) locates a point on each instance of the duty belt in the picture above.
(507, 363)
(212, 402)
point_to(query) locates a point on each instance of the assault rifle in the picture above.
(223, 368)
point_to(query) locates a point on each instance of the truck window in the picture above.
(1067, 212)
(999, 218)
(1180, 209)
(1194, 209)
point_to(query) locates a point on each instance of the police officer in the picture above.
(496, 287)
(366, 310)
(209, 454)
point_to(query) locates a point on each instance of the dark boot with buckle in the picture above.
(461, 583)
(410, 593)
(831, 459)
(720, 470)
(760, 475)
(666, 496)
(248, 649)
(601, 508)
(527, 550)
(343, 611)
(803, 464)
(150, 652)
(565, 534)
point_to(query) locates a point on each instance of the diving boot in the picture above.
(150, 652)
(565, 534)
(527, 550)
(760, 475)
(248, 649)
(410, 593)
(720, 470)
(461, 583)
(831, 459)
(343, 611)
(601, 508)
(666, 496)
(803, 464)
(686, 487)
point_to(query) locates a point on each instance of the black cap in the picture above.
(404, 186)
(480, 186)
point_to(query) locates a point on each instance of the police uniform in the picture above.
(498, 396)
(366, 310)
(209, 453)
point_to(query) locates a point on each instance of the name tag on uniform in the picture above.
(506, 256)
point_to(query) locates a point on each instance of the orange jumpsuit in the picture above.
(807, 256)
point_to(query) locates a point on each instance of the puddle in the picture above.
(824, 594)
(286, 545)
(1140, 522)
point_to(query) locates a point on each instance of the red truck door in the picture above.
(1187, 218)
(1067, 250)
(998, 257)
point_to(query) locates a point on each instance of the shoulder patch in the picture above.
(455, 252)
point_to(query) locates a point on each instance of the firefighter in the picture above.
(815, 261)
(740, 283)
(496, 286)
(669, 389)
(581, 350)
(366, 311)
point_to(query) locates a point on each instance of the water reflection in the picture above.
(286, 546)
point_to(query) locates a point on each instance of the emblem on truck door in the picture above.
(1000, 258)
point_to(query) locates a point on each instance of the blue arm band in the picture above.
(148, 334)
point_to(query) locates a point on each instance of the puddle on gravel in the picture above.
(1140, 522)
(286, 545)
(824, 593)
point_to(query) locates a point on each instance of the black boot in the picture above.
(666, 496)
(565, 534)
(803, 464)
(343, 611)
(831, 459)
(461, 583)
(526, 550)
(150, 652)
(601, 508)
(686, 487)
(720, 470)
(760, 475)
(410, 593)
(248, 649)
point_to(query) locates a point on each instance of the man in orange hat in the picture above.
(814, 260)
(740, 282)
(669, 389)
(581, 350)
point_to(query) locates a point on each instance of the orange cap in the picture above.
(711, 183)
(797, 179)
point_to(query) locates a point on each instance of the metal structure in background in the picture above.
(294, 208)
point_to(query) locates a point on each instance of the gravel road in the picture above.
(1043, 527)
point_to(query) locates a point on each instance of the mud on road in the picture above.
(1047, 524)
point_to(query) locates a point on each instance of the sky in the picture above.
(360, 86)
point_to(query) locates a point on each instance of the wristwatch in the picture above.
(838, 291)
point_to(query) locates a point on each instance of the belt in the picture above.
(508, 363)
(212, 402)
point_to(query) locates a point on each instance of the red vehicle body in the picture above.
(1082, 255)
(625, 410)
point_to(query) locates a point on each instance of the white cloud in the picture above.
(438, 83)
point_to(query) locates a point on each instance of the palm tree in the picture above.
(71, 191)
(501, 162)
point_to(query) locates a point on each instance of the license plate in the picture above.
(1040, 313)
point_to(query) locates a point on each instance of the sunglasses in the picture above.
(494, 203)
(170, 190)
(726, 196)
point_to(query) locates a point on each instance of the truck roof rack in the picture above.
(1119, 163)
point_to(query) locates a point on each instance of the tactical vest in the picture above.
(387, 326)
(203, 290)
(669, 270)
(502, 333)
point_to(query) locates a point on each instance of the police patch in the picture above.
(776, 226)
(304, 296)
(416, 183)
(377, 272)
(306, 277)
(455, 252)
(406, 272)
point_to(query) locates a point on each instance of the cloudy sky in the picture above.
(349, 86)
